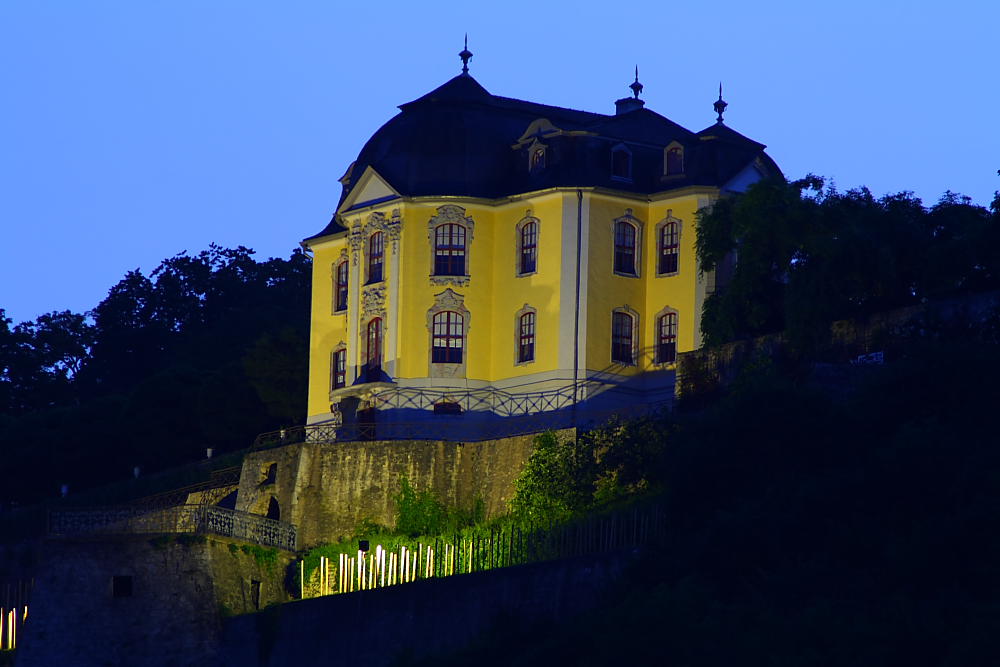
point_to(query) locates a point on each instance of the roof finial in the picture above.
(636, 86)
(720, 105)
(465, 55)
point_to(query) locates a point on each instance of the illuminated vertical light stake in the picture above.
(371, 570)
(361, 570)
(381, 557)
(302, 579)
(420, 558)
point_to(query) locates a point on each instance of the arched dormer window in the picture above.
(340, 286)
(449, 250)
(621, 163)
(673, 160)
(624, 336)
(527, 245)
(666, 337)
(447, 337)
(376, 253)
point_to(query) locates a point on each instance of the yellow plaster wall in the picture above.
(539, 290)
(606, 290)
(326, 328)
(496, 293)
(676, 291)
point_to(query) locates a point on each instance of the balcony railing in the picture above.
(196, 519)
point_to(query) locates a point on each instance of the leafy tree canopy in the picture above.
(796, 255)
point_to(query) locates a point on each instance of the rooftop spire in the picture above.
(636, 86)
(720, 105)
(465, 55)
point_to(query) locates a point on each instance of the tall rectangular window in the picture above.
(446, 338)
(526, 338)
(669, 248)
(528, 248)
(339, 368)
(340, 296)
(375, 256)
(449, 250)
(625, 242)
(621, 339)
(373, 367)
(666, 339)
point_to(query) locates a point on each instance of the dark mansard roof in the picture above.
(460, 140)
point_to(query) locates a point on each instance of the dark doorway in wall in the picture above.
(273, 510)
(255, 593)
(121, 586)
(366, 424)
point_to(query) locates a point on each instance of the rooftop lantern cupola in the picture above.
(627, 104)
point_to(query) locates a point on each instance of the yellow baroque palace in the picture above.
(500, 263)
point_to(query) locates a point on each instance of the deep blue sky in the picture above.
(134, 130)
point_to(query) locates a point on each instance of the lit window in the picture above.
(374, 358)
(669, 243)
(375, 255)
(621, 163)
(340, 289)
(621, 338)
(526, 338)
(675, 161)
(625, 243)
(449, 250)
(666, 338)
(339, 368)
(528, 242)
(447, 331)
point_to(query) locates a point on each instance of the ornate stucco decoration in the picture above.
(373, 302)
(355, 239)
(451, 214)
(393, 228)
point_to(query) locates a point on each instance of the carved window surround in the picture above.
(635, 335)
(528, 218)
(448, 300)
(638, 224)
(517, 335)
(451, 214)
(376, 222)
(656, 236)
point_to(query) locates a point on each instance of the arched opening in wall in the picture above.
(268, 473)
(229, 502)
(273, 510)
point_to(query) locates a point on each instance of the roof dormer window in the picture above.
(536, 159)
(621, 163)
(673, 160)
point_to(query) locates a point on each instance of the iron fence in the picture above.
(197, 519)
(463, 427)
